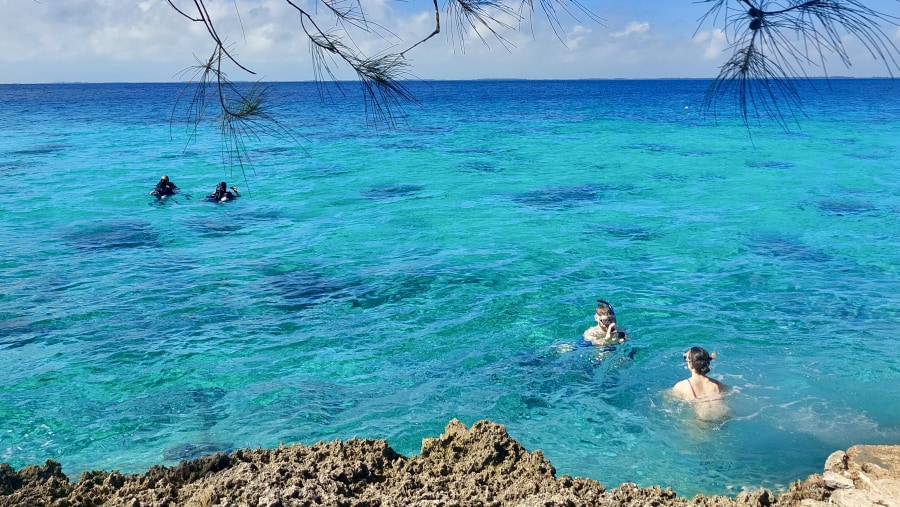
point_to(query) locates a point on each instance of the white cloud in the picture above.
(715, 43)
(633, 28)
(577, 36)
(146, 40)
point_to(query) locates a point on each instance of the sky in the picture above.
(44, 41)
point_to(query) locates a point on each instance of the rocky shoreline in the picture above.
(477, 466)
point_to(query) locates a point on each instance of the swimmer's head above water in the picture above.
(698, 359)
(607, 331)
(604, 315)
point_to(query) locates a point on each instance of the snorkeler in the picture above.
(164, 188)
(606, 333)
(704, 393)
(222, 194)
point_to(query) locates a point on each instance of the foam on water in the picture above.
(377, 283)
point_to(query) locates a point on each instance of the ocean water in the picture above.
(376, 282)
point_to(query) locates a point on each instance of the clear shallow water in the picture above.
(376, 283)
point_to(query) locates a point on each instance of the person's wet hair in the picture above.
(699, 359)
(605, 309)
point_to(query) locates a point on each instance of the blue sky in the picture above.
(146, 41)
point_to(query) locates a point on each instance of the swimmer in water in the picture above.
(164, 188)
(606, 333)
(705, 394)
(222, 194)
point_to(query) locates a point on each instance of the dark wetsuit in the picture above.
(164, 189)
(221, 196)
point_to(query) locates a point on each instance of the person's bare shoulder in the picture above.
(681, 390)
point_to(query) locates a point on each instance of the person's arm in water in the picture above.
(228, 196)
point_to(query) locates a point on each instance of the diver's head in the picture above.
(221, 186)
(164, 179)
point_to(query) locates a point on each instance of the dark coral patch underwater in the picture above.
(111, 235)
(556, 198)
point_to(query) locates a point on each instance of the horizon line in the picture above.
(816, 78)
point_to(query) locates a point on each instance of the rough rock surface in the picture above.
(864, 476)
(480, 466)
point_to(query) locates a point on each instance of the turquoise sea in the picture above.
(377, 282)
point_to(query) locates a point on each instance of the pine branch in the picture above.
(775, 44)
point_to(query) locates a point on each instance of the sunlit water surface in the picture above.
(376, 282)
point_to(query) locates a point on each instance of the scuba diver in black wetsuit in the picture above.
(164, 188)
(222, 194)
